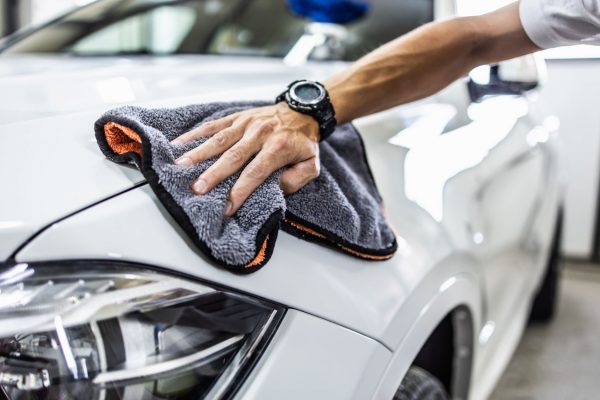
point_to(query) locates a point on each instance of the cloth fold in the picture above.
(341, 208)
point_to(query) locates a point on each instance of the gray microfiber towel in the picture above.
(341, 208)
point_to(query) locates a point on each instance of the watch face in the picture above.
(307, 92)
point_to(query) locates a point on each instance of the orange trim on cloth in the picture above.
(260, 257)
(122, 139)
(305, 229)
(386, 215)
(344, 248)
(364, 255)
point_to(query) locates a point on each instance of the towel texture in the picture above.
(341, 208)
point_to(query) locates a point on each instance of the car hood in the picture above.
(51, 166)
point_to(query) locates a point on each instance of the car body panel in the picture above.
(471, 189)
(386, 301)
(49, 85)
(54, 170)
(365, 297)
(344, 364)
(459, 292)
(54, 102)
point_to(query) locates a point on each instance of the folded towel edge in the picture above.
(266, 235)
(298, 227)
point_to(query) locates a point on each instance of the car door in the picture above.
(482, 169)
(514, 189)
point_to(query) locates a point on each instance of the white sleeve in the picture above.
(552, 23)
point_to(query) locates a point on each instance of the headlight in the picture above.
(92, 330)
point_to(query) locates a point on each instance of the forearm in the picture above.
(426, 60)
(263, 140)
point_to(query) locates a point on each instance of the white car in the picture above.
(102, 296)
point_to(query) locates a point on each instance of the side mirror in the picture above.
(511, 77)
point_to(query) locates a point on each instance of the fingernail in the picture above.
(184, 162)
(228, 208)
(176, 142)
(199, 186)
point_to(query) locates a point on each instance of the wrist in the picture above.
(303, 123)
(311, 98)
(339, 97)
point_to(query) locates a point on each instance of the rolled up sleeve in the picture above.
(552, 23)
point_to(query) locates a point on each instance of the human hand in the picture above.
(276, 135)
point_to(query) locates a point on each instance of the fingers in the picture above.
(277, 135)
(299, 175)
(255, 173)
(228, 164)
(217, 144)
(255, 130)
(206, 129)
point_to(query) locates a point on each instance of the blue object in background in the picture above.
(334, 11)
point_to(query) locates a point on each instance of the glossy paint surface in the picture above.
(49, 106)
(472, 190)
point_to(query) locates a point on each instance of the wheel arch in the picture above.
(447, 353)
(447, 325)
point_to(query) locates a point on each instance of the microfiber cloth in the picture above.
(341, 208)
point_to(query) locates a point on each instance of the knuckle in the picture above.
(310, 149)
(235, 155)
(242, 119)
(316, 165)
(204, 129)
(264, 126)
(315, 174)
(261, 128)
(256, 170)
(290, 184)
(312, 169)
(278, 145)
(219, 138)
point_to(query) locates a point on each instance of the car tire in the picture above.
(419, 384)
(544, 304)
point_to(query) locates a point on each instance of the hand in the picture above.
(277, 135)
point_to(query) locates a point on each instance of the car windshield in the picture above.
(223, 27)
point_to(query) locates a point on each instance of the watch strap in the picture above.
(322, 112)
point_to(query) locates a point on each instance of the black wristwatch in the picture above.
(311, 98)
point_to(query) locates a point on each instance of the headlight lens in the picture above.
(107, 331)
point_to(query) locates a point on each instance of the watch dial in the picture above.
(307, 92)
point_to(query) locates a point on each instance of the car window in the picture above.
(158, 31)
(229, 27)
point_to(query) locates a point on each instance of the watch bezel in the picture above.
(293, 96)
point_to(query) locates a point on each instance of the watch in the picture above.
(311, 98)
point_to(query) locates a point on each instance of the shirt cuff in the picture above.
(536, 24)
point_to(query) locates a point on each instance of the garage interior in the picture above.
(558, 360)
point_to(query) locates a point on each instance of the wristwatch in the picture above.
(311, 98)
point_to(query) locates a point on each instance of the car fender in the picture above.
(452, 286)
